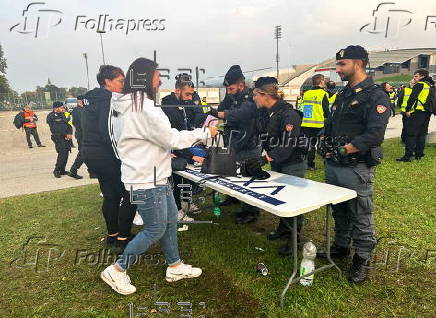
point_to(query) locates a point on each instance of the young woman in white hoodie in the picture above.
(142, 138)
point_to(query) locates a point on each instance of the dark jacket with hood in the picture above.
(94, 124)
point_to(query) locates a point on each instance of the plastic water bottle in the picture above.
(217, 201)
(308, 263)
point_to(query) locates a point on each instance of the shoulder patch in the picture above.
(289, 127)
(381, 109)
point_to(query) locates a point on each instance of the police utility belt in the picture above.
(339, 156)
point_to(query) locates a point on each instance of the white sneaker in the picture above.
(181, 216)
(119, 281)
(138, 219)
(182, 271)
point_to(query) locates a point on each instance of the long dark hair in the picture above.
(139, 80)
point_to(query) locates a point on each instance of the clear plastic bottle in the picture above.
(308, 263)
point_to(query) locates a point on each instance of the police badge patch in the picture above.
(289, 127)
(381, 109)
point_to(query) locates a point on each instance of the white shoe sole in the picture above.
(176, 278)
(112, 285)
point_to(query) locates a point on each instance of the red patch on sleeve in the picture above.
(381, 109)
(289, 127)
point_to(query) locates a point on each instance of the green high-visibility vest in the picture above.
(332, 99)
(407, 92)
(422, 97)
(392, 97)
(311, 106)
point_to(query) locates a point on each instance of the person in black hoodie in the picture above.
(183, 115)
(100, 158)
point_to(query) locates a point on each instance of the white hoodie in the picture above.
(143, 141)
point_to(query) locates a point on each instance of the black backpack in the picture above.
(430, 104)
(19, 120)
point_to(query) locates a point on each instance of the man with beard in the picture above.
(354, 132)
(183, 115)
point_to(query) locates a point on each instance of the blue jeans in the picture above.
(159, 213)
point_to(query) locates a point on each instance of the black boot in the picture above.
(229, 201)
(57, 174)
(74, 175)
(404, 159)
(359, 270)
(282, 231)
(335, 252)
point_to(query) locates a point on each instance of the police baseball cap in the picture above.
(262, 81)
(353, 52)
(80, 97)
(57, 104)
(233, 75)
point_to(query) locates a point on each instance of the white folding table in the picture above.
(282, 195)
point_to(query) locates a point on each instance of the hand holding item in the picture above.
(213, 131)
(198, 159)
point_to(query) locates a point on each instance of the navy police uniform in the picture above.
(59, 128)
(281, 139)
(358, 116)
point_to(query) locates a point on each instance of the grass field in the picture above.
(50, 265)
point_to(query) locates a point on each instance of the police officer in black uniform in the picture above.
(240, 131)
(61, 134)
(280, 137)
(354, 132)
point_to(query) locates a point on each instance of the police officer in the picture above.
(240, 115)
(353, 135)
(315, 108)
(418, 118)
(77, 122)
(331, 91)
(61, 134)
(280, 134)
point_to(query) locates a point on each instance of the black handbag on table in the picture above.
(219, 160)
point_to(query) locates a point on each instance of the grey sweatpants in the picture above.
(354, 218)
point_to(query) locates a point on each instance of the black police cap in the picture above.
(261, 81)
(80, 97)
(353, 52)
(57, 104)
(233, 75)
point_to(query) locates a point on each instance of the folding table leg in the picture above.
(295, 258)
(327, 233)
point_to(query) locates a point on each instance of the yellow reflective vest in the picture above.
(422, 97)
(332, 99)
(311, 106)
(69, 118)
(407, 92)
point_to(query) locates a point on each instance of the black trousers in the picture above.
(117, 210)
(403, 131)
(416, 130)
(79, 158)
(63, 148)
(312, 134)
(34, 132)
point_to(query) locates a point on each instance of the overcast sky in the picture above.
(211, 35)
